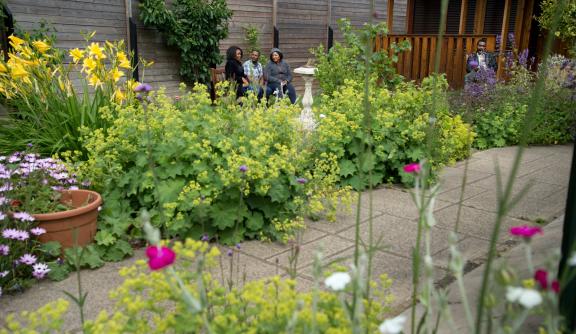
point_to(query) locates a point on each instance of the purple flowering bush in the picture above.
(29, 184)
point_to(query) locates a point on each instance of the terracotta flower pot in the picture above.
(60, 226)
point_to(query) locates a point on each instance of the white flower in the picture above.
(338, 281)
(392, 326)
(322, 116)
(525, 297)
(572, 260)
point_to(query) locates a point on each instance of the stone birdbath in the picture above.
(306, 117)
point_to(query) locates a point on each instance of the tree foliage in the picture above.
(195, 27)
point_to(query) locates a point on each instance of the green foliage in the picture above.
(348, 60)
(401, 129)
(195, 27)
(45, 107)
(498, 112)
(566, 28)
(196, 151)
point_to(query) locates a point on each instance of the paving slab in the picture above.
(396, 202)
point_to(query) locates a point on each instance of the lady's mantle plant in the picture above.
(28, 185)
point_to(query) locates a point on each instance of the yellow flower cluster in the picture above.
(47, 319)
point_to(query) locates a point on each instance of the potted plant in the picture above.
(42, 191)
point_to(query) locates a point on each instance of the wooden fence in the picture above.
(418, 62)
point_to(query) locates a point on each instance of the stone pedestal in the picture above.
(306, 117)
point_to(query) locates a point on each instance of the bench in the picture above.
(216, 75)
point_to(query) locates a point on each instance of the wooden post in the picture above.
(128, 7)
(479, 16)
(463, 12)
(518, 25)
(410, 17)
(503, 38)
(390, 15)
(275, 32)
(328, 23)
(526, 25)
(274, 12)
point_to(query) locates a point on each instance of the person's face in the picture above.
(254, 56)
(238, 55)
(275, 57)
(482, 47)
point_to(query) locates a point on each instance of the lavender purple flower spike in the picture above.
(145, 88)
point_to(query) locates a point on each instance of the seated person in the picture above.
(235, 71)
(480, 60)
(279, 76)
(253, 69)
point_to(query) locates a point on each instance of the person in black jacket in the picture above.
(235, 71)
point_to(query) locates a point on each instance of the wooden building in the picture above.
(467, 21)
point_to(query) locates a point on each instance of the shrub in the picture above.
(399, 132)
(46, 108)
(347, 60)
(228, 171)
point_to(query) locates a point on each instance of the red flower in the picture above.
(525, 231)
(15, 203)
(412, 168)
(159, 257)
(541, 276)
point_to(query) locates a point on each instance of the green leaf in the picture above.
(347, 167)
(118, 251)
(104, 238)
(224, 215)
(58, 271)
(255, 221)
(278, 192)
(170, 189)
(52, 248)
(357, 182)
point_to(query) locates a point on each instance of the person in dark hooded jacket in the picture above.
(235, 71)
(279, 76)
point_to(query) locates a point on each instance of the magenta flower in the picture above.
(24, 216)
(159, 257)
(37, 231)
(40, 270)
(413, 168)
(541, 276)
(525, 231)
(27, 259)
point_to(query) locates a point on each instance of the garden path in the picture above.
(546, 168)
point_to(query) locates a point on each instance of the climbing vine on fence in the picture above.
(195, 27)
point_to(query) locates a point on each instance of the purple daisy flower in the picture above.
(2, 216)
(301, 180)
(27, 259)
(4, 273)
(9, 233)
(24, 216)
(37, 231)
(22, 235)
(4, 250)
(40, 270)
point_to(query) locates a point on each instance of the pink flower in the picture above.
(413, 168)
(37, 231)
(525, 231)
(159, 257)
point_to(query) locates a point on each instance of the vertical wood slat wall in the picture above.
(418, 63)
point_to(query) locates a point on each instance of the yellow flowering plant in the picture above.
(229, 171)
(48, 105)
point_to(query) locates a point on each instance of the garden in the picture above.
(97, 168)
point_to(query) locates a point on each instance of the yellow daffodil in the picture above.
(18, 71)
(16, 42)
(26, 52)
(89, 65)
(96, 50)
(61, 84)
(76, 55)
(115, 74)
(3, 68)
(41, 46)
